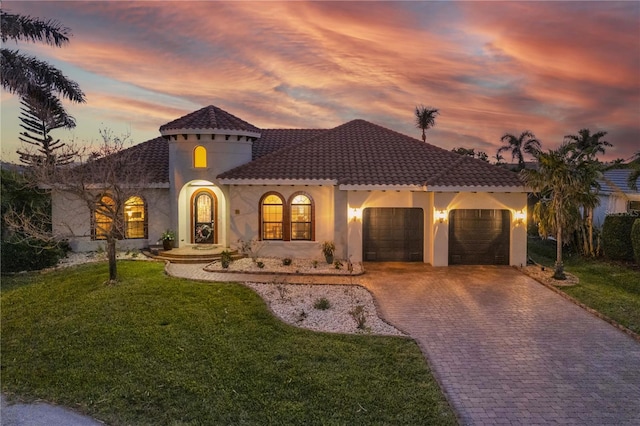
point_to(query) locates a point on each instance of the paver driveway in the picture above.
(507, 350)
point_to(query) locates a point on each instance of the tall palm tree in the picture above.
(518, 145)
(425, 119)
(635, 171)
(556, 182)
(587, 147)
(29, 77)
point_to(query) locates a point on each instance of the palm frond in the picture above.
(25, 28)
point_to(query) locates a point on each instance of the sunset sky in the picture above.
(490, 67)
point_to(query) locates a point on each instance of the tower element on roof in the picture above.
(210, 120)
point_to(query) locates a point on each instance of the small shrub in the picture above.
(322, 304)
(635, 240)
(250, 248)
(260, 264)
(314, 263)
(616, 236)
(22, 256)
(302, 315)
(359, 315)
(286, 261)
(283, 291)
(225, 259)
(337, 264)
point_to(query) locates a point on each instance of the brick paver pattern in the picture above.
(506, 349)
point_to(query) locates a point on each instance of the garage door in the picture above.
(393, 234)
(479, 237)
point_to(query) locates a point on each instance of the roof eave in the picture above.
(318, 182)
(231, 132)
(442, 188)
(365, 187)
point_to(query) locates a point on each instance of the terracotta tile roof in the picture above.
(275, 139)
(151, 156)
(210, 117)
(362, 153)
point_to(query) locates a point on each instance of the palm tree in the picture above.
(29, 77)
(425, 119)
(556, 182)
(525, 143)
(587, 146)
(635, 171)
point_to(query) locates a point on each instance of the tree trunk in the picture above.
(558, 274)
(111, 256)
(592, 252)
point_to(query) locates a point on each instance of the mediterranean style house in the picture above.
(377, 194)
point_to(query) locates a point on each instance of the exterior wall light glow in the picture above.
(441, 215)
(520, 216)
(355, 214)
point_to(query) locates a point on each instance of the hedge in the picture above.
(616, 236)
(20, 256)
(635, 240)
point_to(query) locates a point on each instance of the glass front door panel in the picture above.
(203, 213)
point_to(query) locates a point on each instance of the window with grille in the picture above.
(301, 218)
(272, 217)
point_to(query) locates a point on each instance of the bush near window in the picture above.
(635, 240)
(616, 236)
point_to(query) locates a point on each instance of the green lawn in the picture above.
(612, 289)
(158, 350)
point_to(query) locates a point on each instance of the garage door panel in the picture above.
(393, 234)
(479, 237)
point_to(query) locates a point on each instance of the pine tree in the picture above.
(37, 120)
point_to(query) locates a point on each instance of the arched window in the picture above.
(272, 216)
(104, 214)
(301, 217)
(135, 218)
(200, 157)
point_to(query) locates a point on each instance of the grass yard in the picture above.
(612, 289)
(163, 351)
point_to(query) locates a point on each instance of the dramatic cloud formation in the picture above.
(490, 67)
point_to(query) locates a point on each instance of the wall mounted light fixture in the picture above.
(441, 215)
(520, 216)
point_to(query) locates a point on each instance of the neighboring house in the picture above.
(378, 194)
(616, 196)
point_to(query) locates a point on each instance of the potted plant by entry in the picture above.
(328, 249)
(167, 239)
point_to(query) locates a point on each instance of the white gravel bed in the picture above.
(275, 265)
(294, 304)
(73, 258)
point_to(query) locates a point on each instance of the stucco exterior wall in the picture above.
(72, 220)
(446, 201)
(222, 154)
(243, 224)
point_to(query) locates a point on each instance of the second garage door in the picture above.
(393, 234)
(479, 237)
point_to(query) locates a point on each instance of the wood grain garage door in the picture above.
(393, 234)
(479, 237)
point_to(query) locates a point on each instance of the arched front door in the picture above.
(203, 217)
